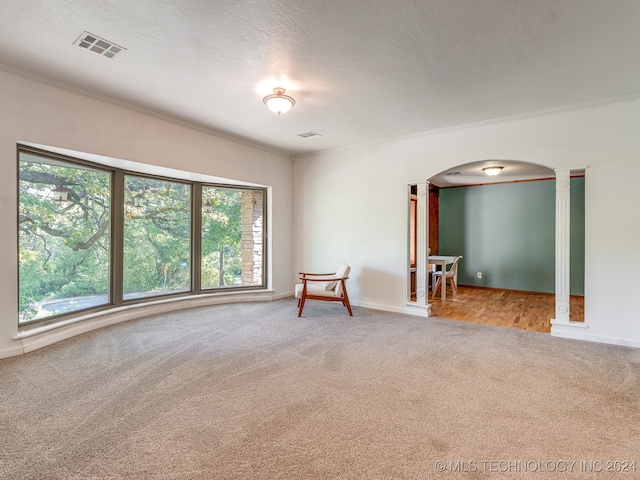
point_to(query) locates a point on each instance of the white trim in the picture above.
(280, 296)
(26, 343)
(422, 242)
(410, 309)
(11, 351)
(563, 243)
(416, 309)
(145, 111)
(560, 326)
(480, 123)
(575, 335)
(292, 154)
(139, 167)
(37, 337)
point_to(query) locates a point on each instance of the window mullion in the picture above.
(196, 237)
(117, 216)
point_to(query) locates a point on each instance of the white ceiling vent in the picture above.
(454, 174)
(309, 135)
(103, 47)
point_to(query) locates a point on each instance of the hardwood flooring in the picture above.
(503, 308)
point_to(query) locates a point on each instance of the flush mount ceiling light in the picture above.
(278, 102)
(492, 171)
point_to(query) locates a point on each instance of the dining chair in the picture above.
(451, 275)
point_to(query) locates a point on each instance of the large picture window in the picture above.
(157, 237)
(93, 237)
(64, 237)
(232, 233)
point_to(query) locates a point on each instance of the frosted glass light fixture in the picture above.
(492, 171)
(278, 102)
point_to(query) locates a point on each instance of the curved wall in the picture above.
(41, 113)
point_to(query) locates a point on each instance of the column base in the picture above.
(568, 329)
(420, 310)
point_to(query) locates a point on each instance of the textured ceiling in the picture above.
(360, 70)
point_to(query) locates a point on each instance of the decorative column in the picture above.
(563, 243)
(422, 242)
(561, 325)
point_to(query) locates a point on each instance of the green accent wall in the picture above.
(507, 232)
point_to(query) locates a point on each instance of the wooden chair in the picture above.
(451, 275)
(329, 287)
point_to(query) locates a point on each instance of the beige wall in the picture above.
(351, 204)
(41, 113)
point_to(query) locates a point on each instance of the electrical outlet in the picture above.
(479, 274)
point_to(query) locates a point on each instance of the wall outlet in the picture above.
(479, 274)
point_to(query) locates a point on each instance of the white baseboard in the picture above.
(419, 310)
(583, 335)
(280, 296)
(11, 351)
(32, 339)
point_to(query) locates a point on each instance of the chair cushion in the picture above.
(329, 285)
(314, 288)
(342, 271)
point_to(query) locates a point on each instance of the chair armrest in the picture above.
(325, 279)
(316, 274)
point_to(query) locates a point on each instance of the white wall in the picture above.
(351, 205)
(41, 113)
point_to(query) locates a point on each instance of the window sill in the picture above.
(94, 320)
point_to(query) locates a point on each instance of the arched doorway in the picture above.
(515, 234)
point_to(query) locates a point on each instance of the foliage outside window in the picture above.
(157, 237)
(71, 260)
(64, 257)
(231, 237)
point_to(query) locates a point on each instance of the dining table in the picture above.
(442, 261)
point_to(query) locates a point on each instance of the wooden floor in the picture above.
(503, 308)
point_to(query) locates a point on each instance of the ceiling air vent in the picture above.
(103, 47)
(309, 135)
(454, 174)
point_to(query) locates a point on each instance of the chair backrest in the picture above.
(342, 271)
(453, 271)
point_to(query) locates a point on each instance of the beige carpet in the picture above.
(251, 391)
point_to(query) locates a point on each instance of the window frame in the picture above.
(120, 251)
(73, 163)
(198, 251)
(116, 241)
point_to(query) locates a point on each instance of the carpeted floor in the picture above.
(251, 391)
